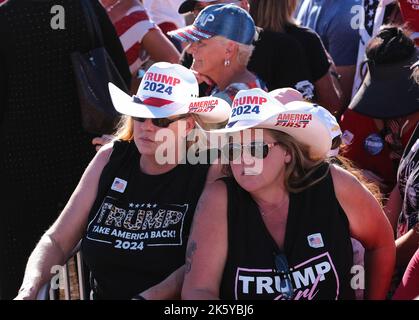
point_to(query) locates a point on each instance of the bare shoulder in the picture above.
(105, 152)
(345, 182)
(352, 195)
(99, 161)
(102, 156)
(365, 215)
(341, 175)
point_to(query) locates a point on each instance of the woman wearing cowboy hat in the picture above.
(132, 210)
(280, 226)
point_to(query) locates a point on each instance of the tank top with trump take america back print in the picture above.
(317, 246)
(139, 224)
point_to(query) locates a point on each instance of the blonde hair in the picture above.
(300, 170)
(125, 129)
(244, 51)
(273, 15)
(349, 166)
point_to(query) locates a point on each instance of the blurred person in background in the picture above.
(278, 16)
(165, 14)
(141, 38)
(384, 113)
(44, 147)
(333, 21)
(403, 205)
(301, 61)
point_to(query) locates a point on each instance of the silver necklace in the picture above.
(266, 213)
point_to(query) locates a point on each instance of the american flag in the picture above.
(118, 185)
(373, 18)
(315, 240)
(370, 8)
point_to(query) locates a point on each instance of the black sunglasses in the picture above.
(282, 269)
(256, 149)
(160, 122)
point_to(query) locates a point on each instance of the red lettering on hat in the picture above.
(293, 120)
(246, 100)
(162, 78)
(203, 106)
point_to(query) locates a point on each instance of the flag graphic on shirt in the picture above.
(119, 185)
(370, 8)
(315, 240)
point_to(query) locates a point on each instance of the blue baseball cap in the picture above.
(227, 20)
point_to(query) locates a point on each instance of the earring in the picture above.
(226, 62)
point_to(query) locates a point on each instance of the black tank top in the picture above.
(317, 246)
(139, 224)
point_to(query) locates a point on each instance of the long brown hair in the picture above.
(299, 172)
(349, 166)
(273, 15)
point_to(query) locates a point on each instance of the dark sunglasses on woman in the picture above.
(259, 150)
(160, 122)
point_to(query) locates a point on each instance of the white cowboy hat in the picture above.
(168, 90)
(309, 124)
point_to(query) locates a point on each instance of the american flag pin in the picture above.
(315, 240)
(119, 185)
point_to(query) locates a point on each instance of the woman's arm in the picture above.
(394, 207)
(328, 95)
(406, 246)
(409, 288)
(169, 288)
(207, 247)
(369, 225)
(159, 47)
(58, 242)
